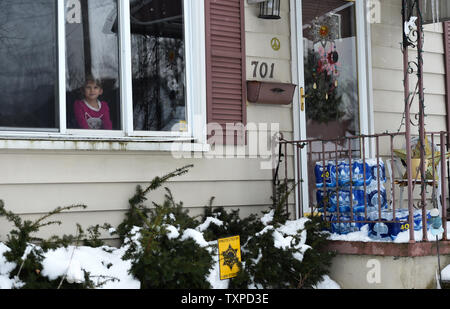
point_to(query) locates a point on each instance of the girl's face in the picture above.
(92, 91)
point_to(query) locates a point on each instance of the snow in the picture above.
(327, 283)
(445, 273)
(284, 237)
(108, 270)
(104, 264)
(5, 269)
(402, 237)
(292, 227)
(265, 230)
(196, 236)
(361, 235)
(214, 276)
(173, 231)
(202, 227)
(268, 217)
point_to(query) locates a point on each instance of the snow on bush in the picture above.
(108, 270)
(284, 235)
(164, 247)
(104, 264)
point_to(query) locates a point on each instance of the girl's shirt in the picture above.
(91, 118)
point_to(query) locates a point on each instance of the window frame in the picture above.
(195, 85)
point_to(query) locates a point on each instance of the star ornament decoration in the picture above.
(325, 29)
(230, 257)
(415, 154)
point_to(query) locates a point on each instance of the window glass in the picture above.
(92, 81)
(331, 79)
(331, 76)
(28, 76)
(158, 65)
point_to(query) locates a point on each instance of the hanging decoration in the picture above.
(322, 73)
(325, 29)
(324, 102)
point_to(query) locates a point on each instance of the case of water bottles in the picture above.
(361, 190)
(333, 183)
(383, 230)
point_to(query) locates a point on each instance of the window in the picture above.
(157, 44)
(331, 71)
(115, 68)
(29, 78)
(92, 52)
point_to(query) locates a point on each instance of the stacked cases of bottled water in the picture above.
(333, 184)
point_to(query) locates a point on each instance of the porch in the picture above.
(375, 207)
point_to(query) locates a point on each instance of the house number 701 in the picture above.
(263, 69)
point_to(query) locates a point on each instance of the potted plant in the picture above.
(430, 162)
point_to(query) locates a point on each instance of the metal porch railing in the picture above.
(362, 179)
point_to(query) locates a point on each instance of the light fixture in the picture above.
(269, 9)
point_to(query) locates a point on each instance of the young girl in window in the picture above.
(91, 113)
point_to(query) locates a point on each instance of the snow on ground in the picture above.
(402, 237)
(445, 273)
(5, 269)
(104, 264)
(108, 270)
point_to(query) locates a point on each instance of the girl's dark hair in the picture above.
(91, 78)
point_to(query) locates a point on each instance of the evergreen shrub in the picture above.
(170, 249)
(27, 251)
(165, 249)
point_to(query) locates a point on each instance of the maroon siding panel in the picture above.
(225, 62)
(447, 70)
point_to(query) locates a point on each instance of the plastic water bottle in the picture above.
(319, 173)
(374, 196)
(327, 174)
(344, 226)
(358, 173)
(331, 170)
(343, 171)
(379, 230)
(373, 165)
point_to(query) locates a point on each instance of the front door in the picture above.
(330, 54)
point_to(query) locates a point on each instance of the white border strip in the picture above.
(61, 32)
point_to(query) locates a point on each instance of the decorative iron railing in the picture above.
(359, 180)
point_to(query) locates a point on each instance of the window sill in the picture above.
(103, 144)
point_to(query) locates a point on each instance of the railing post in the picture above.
(300, 209)
(392, 177)
(443, 185)
(286, 177)
(364, 176)
(422, 135)
(407, 125)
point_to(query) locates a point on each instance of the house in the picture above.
(151, 57)
(174, 74)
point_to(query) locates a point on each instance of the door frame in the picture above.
(365, 91)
